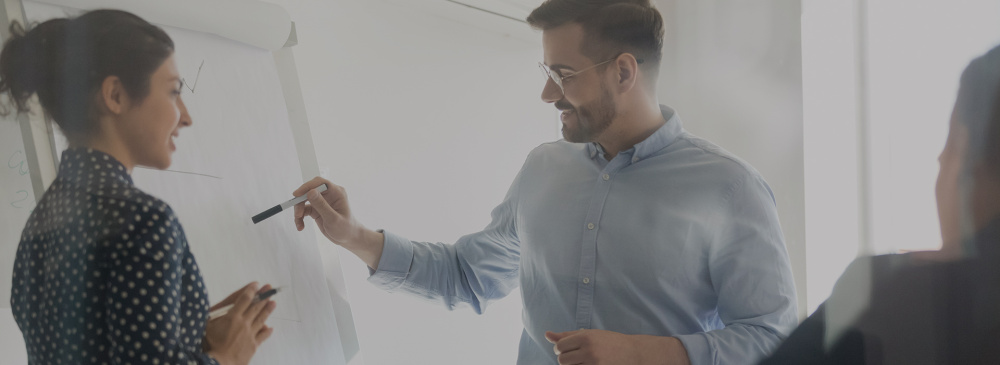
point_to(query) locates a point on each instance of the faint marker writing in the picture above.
(19, 166)
(196, 77)
(19, 203)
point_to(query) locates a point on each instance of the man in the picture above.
(632, 241)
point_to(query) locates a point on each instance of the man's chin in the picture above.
(572, 135)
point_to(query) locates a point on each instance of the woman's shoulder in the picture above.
(147, 227)
(136, 215)
(131, 198)
(98, 209)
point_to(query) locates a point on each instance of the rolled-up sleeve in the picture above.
(477, 269)
(397, 254)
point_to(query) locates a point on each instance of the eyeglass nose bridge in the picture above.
(551, 76)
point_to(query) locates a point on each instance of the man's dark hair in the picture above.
(611, 27)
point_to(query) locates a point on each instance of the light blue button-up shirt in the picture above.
(673, 237)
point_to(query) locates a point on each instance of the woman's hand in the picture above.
(233, 338)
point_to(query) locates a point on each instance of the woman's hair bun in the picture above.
(26, 59)
(65, 60)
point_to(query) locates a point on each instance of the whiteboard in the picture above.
(16, 199)
(238, 159)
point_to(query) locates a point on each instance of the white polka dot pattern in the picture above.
(103, 274)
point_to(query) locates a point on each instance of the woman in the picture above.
(103, 273)
(928, 307)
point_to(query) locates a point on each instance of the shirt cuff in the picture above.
(397, 254)
(699, 351)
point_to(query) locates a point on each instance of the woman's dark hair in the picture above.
(978, 107)
(66, 60)
(611, 27)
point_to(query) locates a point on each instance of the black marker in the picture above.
(278, 208)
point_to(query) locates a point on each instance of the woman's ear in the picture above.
(113, 95)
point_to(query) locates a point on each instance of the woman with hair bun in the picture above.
(103, 273)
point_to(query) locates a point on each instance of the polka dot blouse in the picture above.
(103, 274)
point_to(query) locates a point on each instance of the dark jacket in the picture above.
(897, 309)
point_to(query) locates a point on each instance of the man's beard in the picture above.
(591, 119)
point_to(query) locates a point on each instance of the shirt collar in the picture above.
(90, 165)
(660, 139)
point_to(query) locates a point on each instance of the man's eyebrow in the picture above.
(560, 67)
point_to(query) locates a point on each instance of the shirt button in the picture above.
(590, 226)
(635, 159)
(606, 177)
(586, 280)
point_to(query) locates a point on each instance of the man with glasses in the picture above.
(632, 241)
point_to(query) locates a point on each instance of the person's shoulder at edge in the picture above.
(890, 267)
(850, 301)
(869, 272)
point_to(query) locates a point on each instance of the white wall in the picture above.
(917, 50)
(425, 121)
(831, 131)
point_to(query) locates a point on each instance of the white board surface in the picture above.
(16, 199)
(238, 159)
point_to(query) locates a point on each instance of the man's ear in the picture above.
(628, 72)
(113, 95)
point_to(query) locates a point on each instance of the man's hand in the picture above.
(333, 216)
(601, 347)
(330, 210)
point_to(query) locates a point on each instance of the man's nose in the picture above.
(551, 92)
